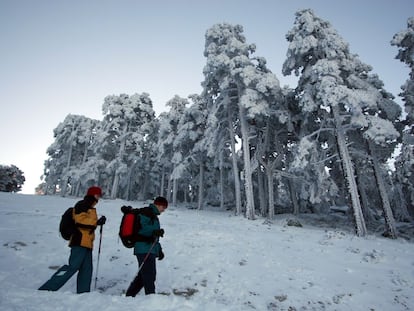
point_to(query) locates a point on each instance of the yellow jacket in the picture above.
(86, 220)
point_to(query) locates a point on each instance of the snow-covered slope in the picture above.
(213, 261)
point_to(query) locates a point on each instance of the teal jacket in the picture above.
(148, 225)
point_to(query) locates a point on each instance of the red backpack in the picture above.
(131, 224)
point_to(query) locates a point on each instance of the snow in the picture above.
(213, 261)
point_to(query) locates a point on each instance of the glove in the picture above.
(101, 221)
(160, 255)
(158, 233)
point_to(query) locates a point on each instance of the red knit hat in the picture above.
(94, 191)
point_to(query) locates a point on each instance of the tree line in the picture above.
(247, 144)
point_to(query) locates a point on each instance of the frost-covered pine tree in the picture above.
(142, 167)
(221, 94)
(59, 155)
(82, 173)
(404, 164)
(220, 144)
(67, 153)
(189, 143)
(270, 133)
(273, 139)
(312, 156)
(235, 81)
(328, 75)
(404, 179)
(169, 156)
(316, 53)
(404, 40)
(125, 127)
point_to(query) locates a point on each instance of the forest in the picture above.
(337, 141)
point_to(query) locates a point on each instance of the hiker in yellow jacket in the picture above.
(81, 244)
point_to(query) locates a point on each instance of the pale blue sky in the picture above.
(61, 57)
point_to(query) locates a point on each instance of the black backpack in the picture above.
(131, 224)
(67, 225)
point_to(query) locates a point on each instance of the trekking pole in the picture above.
(99, 254)
(146, 256)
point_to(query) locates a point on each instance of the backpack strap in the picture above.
(148, 212)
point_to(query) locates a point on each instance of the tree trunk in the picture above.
(221, 168)
(234, 162)
(128, 188)
(403, 214)
(367, 212)
(271, 193)
(174, 192)
(84, 158)
(389, 217)
(294, 197)
(361, 229)
(115, 185)
(200, 186)
(263, 177)
(262, 193)
(65, 178)
(269, 168)
(169, 187)
(248, 183)
(162, 181)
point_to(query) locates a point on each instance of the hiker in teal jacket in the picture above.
(148, 248)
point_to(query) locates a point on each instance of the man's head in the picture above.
(161, 203)
(95, 192)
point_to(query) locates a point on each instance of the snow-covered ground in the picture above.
(213, 261)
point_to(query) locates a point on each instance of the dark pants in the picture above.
(145, 277)
(80, 260)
